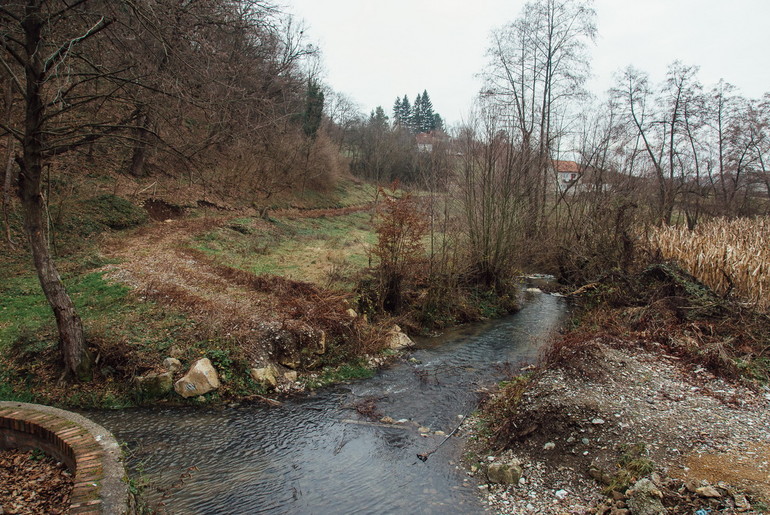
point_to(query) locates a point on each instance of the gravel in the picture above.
(697, 429)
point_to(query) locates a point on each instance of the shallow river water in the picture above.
(317, 454)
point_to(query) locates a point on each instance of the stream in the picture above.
(317, 454)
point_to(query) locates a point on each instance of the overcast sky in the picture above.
(375, 50)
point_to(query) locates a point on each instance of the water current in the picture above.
(317, 454)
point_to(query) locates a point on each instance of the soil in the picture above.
(584, 423)
(33, 483)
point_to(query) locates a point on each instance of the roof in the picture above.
(566, 166)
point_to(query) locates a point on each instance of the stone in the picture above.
(397, 340)
(175, 351)
(200, 379)
(561, 494)
(598, 421)
(265, 375)
(708, 491)
(691, 485)
(644, 498)
(741, 503)
(387, 420)
(155, 385)
(504, 473)
(291, 376)
(423, 429)
(549, 446)
(172, 364)
(351, 313)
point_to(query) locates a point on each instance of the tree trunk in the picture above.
(77, 360)
(139, 154)
(75, 355)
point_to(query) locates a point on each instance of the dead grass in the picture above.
(730, 256)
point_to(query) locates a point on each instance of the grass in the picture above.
(325, 251)
(358, 369)
(632, 466)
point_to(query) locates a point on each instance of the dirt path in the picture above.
(159, 264)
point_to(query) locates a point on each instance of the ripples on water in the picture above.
(309, 455)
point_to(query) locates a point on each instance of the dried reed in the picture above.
(729, 256)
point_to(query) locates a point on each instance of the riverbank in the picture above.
(632, 419)
(163, 279)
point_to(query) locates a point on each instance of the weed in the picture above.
(358, 369)
(632, 466)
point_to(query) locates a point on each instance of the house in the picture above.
(427, 140)
(567, 174)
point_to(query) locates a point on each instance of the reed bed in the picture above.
(729, 256)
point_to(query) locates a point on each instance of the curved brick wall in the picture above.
(89, 450)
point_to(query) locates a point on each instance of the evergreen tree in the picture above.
(397, 120)
(314, 107)
(378, 119)
(438, 122)
(418, 114)
(406, 113)
(427, 121)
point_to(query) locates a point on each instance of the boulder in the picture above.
(155, 385)
(172, 364)
(200, 379)
(397, 340)
(265, 375)
(708, 491)
(504, 473)
(644, 498)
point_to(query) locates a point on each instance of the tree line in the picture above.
(224, 92)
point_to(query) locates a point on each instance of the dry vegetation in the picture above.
(731, 257)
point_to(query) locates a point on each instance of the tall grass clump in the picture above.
(731, 257)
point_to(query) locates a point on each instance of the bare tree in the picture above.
(537, 64)
(44, 50)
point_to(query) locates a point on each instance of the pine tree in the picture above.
(427, 121)
(418, 114)
(397, 111)
(406, 112)
(438, 122)
(314, 107)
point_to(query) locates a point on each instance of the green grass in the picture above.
(355, 370)
(306, 249)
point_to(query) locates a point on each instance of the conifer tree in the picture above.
(397, 112)
(406, 113)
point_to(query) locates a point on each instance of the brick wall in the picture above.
(68, 442)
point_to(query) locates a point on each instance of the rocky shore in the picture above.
(622, 428)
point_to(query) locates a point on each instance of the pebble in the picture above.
(549, 446)
(597, 421)
(560, 494)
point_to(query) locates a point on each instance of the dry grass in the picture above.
(729, 256)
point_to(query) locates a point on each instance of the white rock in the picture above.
(561, 494)
(200, 379)
(397, 340)
(549, 446)
(265, 375)
(172, 364)
(597, 421)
